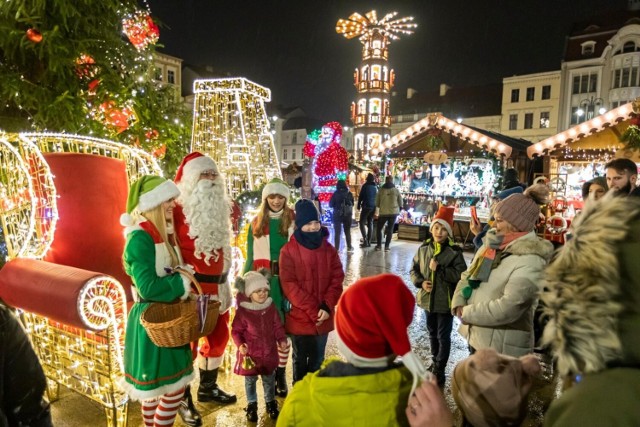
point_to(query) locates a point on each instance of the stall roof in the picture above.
(414, 135)
(610, 121)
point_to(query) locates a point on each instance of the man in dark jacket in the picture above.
(367, 207)
(22, 381)
(342, 204)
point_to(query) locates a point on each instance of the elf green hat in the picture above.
(146, 193)
(276, 186)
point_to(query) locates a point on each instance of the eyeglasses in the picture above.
(209, 174)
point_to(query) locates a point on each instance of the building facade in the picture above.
(601, 67)
(168, 70)
(530, 105)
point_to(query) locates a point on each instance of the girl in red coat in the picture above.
(311, 277)
(258, 333)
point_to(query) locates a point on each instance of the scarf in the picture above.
(310, 239)
(486, 260)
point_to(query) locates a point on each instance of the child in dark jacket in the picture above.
(437, 267)
(257, 331)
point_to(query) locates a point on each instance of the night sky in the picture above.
(292, 48)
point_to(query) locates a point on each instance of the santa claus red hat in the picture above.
(336, 128)
(444, 217)
(371, 321)
(194, 164)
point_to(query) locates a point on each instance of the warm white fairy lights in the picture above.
(89, 361)
(230, 124)
(463, 132)
(583, 130)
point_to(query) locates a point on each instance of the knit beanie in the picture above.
(522, 210)
(251, 282)
(371, 321)
(146, 193)
(306, 212)
(444, 217)
(194, 164)
(491, 389)
(275, 186)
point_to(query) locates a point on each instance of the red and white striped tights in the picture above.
(161, 411)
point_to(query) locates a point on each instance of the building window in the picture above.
(362, 106)
(293, 154)
(374, 105)
(513, 121)
(284, 154)
(171, 77)
(294, 138)
(575, 118)
(544, 119)
(528, 120)
(588, 48)
(585, 83)
(375, 72)
(515, 95)
(629, 47)
(531, 93)
(546, 92)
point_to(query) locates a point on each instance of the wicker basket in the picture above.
(176, 324)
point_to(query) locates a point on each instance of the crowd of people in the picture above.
(290, 296)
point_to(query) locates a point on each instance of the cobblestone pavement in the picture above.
(72, 410)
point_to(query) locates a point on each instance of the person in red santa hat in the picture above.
(371, 387)
(202, 220)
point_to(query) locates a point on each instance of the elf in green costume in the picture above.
(268, 232)
(154, 375)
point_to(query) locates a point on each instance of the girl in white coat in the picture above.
(497, 296)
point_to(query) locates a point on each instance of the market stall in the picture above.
(439, 161)
(577, 155)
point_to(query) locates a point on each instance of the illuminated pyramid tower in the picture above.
(373, 79)
(230, 124)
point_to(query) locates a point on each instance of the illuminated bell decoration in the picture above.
(141, 30)
(34, 35)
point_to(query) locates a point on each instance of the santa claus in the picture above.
(330, 161)
(202, 220)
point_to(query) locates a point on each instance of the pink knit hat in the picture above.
(522, 210)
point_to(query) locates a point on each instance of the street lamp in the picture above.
(588, 108)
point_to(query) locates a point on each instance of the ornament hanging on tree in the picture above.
(116, 118)
(34, 35)
(86, 67)
(141, 30)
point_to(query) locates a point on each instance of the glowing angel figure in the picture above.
(365, 26)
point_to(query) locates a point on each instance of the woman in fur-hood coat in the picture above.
(593, 306)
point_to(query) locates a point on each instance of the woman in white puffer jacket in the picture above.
(497, 296)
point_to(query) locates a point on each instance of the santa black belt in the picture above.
(208, 278)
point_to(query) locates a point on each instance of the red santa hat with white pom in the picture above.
(371, 321)
(193, 165)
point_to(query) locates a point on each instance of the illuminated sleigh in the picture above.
(60, 201)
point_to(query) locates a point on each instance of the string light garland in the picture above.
(230, 124)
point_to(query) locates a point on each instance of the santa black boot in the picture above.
(187, 410)
(272, 410)
(209, 390)
(252, 412)
(281, 382)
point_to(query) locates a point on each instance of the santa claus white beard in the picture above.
(208, 213)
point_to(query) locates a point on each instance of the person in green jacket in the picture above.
(370, 388)
(437, 267)
(154, 375)
(269, 231)
(593, 304)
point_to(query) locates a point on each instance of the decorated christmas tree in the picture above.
(86, 67)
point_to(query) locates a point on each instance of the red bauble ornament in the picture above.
(140, 29)
(34, 35)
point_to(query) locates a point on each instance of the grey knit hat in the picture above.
(522, 210)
